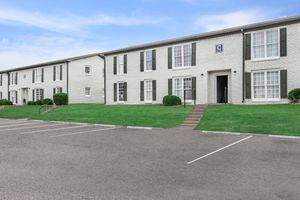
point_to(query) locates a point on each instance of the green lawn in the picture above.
(134, 115)
(264, 119)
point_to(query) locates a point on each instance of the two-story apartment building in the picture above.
(252, 63)
(82, 78)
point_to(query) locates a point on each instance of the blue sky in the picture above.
(34, 31)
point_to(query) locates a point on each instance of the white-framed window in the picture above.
(120, 66)
(182, 55)
(38, 75)
(121, 91)
(266, 85)
(39, 94)
(181, 84)
(13, 78)
(57, 90)
(148, 90)
(58, 72)
(87, 70)
(88, 91)
(265, 44)
(148, 60)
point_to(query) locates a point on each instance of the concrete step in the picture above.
(191, 122)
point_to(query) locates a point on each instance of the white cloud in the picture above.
(28, 50)
(237, 18)
(68, 23)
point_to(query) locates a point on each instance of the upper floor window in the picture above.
(38, 75)
(87, 70)
(57, 73)
(120, 66)
(148, 60)
(265, 44)
(182, 55)
(14, 78)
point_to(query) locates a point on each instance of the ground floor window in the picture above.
(39, 94)
(266, 85)
(121, 92)
(183, 84)
(148, 90)
(88, 91)
(57, 90)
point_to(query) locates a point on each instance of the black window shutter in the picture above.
(141, 61)
(142, 90)
(115, 91)
(170, 86)
(42, 95)
(248, 84)
(33, 74)
(247, 46)
(0, 79)
(61, 70)
(8, 79)
(153, 59)
(53, 91)
(194, 82)
(125, 91)
(125, 64)
(283, 42)
(283, 84)
(54, 73)
(154, 90)
(193, 54)
(9, 96)
(33, 95)
(16, 78)
(16, 93)
(170, 58)
(42, 75)
(115, 64)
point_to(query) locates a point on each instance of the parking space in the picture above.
(53, 160)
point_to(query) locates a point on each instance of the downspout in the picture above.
(104, 80)
(68, 81)
(8, 83)
(243, 70)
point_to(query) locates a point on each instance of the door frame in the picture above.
(227, 92)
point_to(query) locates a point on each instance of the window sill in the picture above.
(265, 59)
(148, 71)
(88, 74)
(88, 96)
(181, 68)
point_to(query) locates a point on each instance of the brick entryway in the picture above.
(195, 116)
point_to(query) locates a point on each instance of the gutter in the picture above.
(8, 96)
(243, 67)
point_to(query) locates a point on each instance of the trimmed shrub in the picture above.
(30, 103)
(171, 100)
(294, 95)
(47, 102)
(5, 102)
(38, 102)
(60, 99)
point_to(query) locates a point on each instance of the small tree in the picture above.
(60, 99)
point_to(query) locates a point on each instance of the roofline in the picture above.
(53, 62)
(222, 32)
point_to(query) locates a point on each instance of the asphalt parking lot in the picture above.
(51, 160)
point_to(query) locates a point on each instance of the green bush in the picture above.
(30, 103)
(47, 102)
(5, 102)
(60, 99)
(171, 100)
(38, 102)
(294, 95)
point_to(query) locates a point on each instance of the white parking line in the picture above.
(55, 129)
(197, 159)
(20, 124)
(43, 126)
(68, 134)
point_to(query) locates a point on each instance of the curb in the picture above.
(253, 134)
(139, 127)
